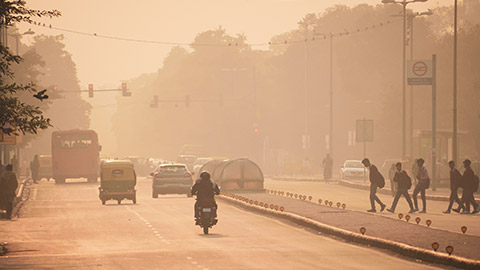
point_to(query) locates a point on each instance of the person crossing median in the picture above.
(376, 181)
(404, 184)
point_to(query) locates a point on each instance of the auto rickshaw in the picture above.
(117, 181)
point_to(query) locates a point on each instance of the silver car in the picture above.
(171, 179)
(352, 169)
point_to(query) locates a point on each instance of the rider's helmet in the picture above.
(205, 175)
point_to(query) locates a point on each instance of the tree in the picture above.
(18, 116)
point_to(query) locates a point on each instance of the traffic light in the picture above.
(187, 101)
(124, 90)
(90, 90)
(155, 102)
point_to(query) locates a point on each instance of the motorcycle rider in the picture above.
(205, 189)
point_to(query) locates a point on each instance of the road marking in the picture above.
(160, 237)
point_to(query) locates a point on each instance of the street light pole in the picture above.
(454, 137)
(330, 138)
(404, 92)
(411, 18)
(404, 4)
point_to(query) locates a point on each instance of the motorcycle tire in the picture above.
(205, 230)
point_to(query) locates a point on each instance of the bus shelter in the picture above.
(238, 174)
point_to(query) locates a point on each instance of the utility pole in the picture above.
(454, 137)
(330, 139)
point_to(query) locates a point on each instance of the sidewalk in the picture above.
(408, 233)
(441, 194)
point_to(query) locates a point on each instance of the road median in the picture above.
(345, 224)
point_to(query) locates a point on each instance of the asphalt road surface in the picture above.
(66, 226)
(358, 200)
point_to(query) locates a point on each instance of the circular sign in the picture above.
(419, 69)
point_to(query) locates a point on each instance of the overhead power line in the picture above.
(173, 43)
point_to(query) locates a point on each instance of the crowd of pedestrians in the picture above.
(401, 182)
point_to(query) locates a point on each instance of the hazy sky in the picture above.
(105, 63)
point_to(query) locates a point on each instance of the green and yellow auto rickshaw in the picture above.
(117, 181)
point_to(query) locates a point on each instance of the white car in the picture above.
(198, 164)
(352, 169)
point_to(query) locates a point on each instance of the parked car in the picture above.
(352, 169)
(198, 164)
(171, 179)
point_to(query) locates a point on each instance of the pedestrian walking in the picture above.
(404, 184)
(391, 175)
(376, 181)
(327, 168)
(455, 181)
(422, 185)
(469, 185)
(9, 186)
(34, 167)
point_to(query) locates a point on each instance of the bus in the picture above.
(75, 154)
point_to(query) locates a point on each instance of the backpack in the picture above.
(475, 183)
(381, 180)
(408, 181)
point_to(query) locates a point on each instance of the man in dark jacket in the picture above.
(455, 180)
(468, 181)
(205, 189)
(404, 184)
(376, 180)
(9, 186)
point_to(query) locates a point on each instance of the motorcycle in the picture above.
(207, 215)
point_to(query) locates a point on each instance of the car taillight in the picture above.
(187, 174)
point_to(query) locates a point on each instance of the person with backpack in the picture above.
(469, 185)
(404, 184)
(422, 185)
(455, 181)
(376, 181)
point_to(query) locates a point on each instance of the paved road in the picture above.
(359, 200)
(65, 226)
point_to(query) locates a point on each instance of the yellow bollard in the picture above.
(320, 201)
(449, 250)
(464, 229)
(429, 222)
(417, 219)
(400, 216)
(363, 230)
(435, 246)
(344, 206)
(407, 218)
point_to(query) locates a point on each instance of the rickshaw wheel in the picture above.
(103, 202)
(119, 201)
(205, 230)
(134, 200)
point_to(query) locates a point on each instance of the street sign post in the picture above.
(419, 72)
(364, 133)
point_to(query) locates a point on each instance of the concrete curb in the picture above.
(388, 192)
(400, 248)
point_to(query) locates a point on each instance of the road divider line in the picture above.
(150, 226)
